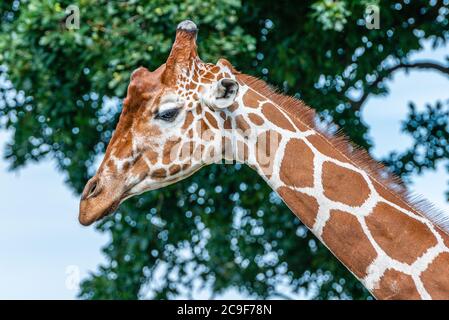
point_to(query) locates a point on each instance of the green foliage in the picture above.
(223, 227)
(430, 132)
(331, 14)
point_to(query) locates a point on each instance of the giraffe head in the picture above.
(169, 127)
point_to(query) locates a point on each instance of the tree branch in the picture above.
(356, 105)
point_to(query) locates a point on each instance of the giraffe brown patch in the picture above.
(109, 165)
(435, 277)
(266, 146)
(195, 76)
(228, 123)
(191, 86)
(251, 99)
(396, 285)
(215, 69)
(242, 151)
(223, 75)
(174, 169)
(326, 148)
(297, 164)
(201, 127)
(198, 109)
(299, 124)
(139, 168)
(186, 150)
(233, 107)
(209, 75)
(170, 151)
(391, 197)
(151, 155)
(207, 136)
(212, 120)
(198, 153)
(205, 81)
(275, 116)
(344, 236)
(159, 173)
(227, 152)
(188, 121)
(242, 125)
(344, 185)
(210, 153)
(254, 118)
(186, 165)
(126, 165)
(122, 146)
(400, 236)
(302, 205)
(223, 115)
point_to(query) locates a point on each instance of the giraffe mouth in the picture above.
(110, 210)
(88, 216)
(90, 212)
(100, 199)
(97, 206)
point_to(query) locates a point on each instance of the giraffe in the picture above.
(187, 114)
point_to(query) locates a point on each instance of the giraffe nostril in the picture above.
(92, 189)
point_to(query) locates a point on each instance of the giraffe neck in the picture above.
(395, 251)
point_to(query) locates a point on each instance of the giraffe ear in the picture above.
(222, 94)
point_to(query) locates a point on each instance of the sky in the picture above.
(384, 115)
(44, 251)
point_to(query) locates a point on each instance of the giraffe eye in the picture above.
(168, 115)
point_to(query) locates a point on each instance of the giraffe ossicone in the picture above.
(187, 114)
(187, 25)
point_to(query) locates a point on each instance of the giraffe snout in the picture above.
(91, 189)
(100, 197)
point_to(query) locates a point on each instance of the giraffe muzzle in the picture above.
(98, 200)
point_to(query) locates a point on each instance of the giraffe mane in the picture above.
(359, 156)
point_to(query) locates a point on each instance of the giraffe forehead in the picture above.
(144, 83)
(166, 99)
(201, 73)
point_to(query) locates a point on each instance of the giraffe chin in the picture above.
(89, 214)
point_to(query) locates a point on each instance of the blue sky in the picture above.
(384, 115)
(42, 246)
(40, 237)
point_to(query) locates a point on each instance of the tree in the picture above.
(223, 227)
